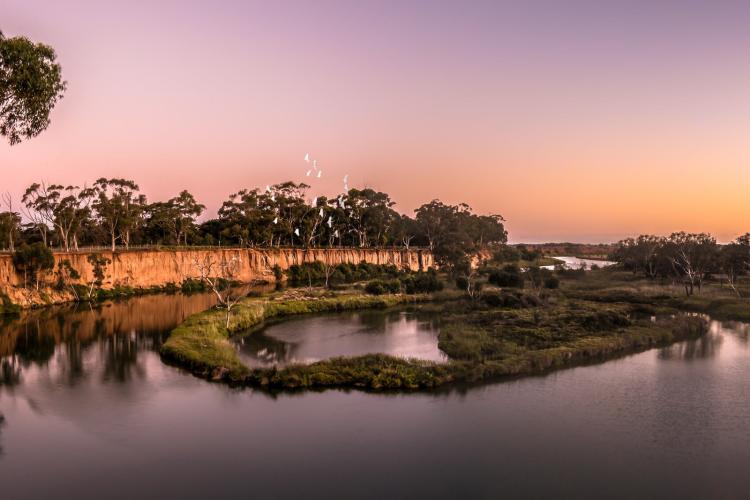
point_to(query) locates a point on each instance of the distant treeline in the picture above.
(582, 250)
(113, 212)
(689, 257)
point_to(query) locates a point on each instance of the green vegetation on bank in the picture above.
(201, 344)
(483, 339)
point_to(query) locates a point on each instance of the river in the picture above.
(92, 412)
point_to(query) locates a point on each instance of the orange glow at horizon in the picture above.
(592, 127)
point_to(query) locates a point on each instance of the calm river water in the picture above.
(92, 413)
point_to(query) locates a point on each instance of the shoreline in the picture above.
(201, 346)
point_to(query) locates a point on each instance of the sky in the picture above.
(575, 120)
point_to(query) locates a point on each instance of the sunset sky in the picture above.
(575, 120)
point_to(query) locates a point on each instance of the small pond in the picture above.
(577, 263)
(308, 339)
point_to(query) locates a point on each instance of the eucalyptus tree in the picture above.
(287, 200)
(119, 208)
(643, 253)
(246, 218)
(62, 207)
(30, 85)
(693, 255)
(454, 232)
(185, 209)
(734, 259)
(370, 216)
(432, 218)
(10, 226)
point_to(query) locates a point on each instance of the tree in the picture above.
(10, 223)
(186, 209)
(67, 275)
(64, 207)
(99, 265)
(219, 274)
(119, 207)
(640, 254)
(454, 232)
(692, 256)
(30, 86)
(734, 259)
(32, 260)
(172, 221)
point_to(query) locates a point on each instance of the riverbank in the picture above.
(201, 344)
(481, 342)
(136, 272)
(613, 285)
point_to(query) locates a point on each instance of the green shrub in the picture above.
(315, 272)
(493, 299)
(32, 260)
(462, 282)
(551, 282)
(380, 287)
(191, 285)
(421, 282)
(509, 276)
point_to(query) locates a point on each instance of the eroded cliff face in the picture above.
(157, 268)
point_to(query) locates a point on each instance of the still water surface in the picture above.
(577, 263)
(91, 412)
(305, 340)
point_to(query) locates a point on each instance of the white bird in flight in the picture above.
(307, 157)
(321, 212)
(330, 221)
(309, 172)
(320, 172)
(276, 220)
(296, 231)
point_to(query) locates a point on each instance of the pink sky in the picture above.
(586, 121)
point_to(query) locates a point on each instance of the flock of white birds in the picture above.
(316, 173)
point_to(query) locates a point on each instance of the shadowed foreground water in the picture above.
(102, 417)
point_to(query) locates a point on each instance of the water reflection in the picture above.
(704, 347)
(59, 342)
(103, 409)
(2, 424)
(305, 340)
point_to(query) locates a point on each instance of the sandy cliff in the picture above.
(156, 268)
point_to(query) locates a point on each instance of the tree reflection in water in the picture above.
(58, 340)
(704, 347)
(2, 424)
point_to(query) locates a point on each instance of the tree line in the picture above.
(114, 213)
(687, 257)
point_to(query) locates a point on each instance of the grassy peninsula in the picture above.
(484, 339)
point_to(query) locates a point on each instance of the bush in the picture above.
(32, 260)
(191, 285)
(551, 282)
(564, 272)
(493, 299)
(422, 282)
(278, 274)
(315, 272)
(462, 282)
(509, 276)
(380, 287)
(506, 253)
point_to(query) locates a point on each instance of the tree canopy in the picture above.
(30, 85)
(113, 212)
